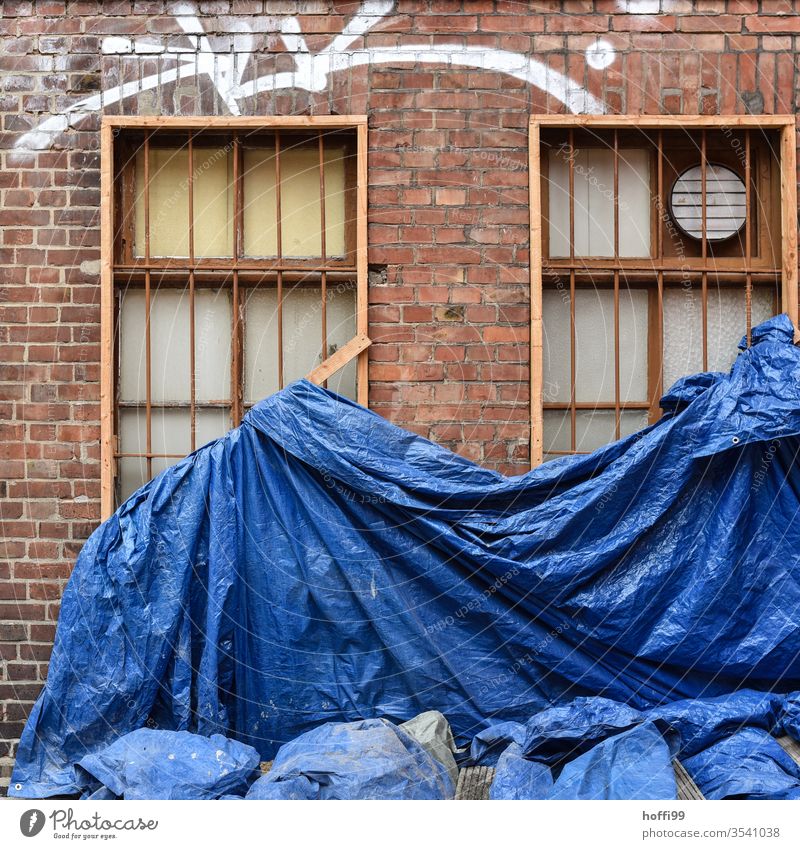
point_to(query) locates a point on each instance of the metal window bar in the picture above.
(279, 231)
(192, 386)
(236, 328)
(659, 388)
(617, 412)
(573, 412)
(148, 391)
(323, 249)
(704, 245)
(748, 292)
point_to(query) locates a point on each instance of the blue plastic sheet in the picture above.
(747, 765)
(319, 564)
(560, 734)
(726, 743)
(636, 764)
(371, 759)
(517, 778)
(152, 764)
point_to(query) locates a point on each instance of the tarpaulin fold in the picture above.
(318, 564)
(370, 759)
(153, 764)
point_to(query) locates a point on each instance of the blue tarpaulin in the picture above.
(750, 764)
(318, 564)
(370, 759)
(153, 764)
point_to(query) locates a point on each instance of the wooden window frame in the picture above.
(355, 264)
(785, 125)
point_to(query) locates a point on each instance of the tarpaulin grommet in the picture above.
(735, 440)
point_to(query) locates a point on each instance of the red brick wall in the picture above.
(448, 221)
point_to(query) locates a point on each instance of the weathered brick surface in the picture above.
(448, 218)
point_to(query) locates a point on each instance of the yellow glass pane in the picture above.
(212, 183)
(300, 202)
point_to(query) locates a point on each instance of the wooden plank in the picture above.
(342, 357)
(362, 295)
(107, 462)
(536, 375)
(218, 122)
(474, 783)
(665, 121)
(791, 747)
(789, 222)
(684, 783)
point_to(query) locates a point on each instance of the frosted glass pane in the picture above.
(594, 202)
(633, 344)
(632, 421)
(170, 431)
(341, 329)
(212, 183)
(260, 202)
(593, 428)
(556, 430)
(555, 344)
(132, 475)
(634, 202)
(212, 320)
(683, 333)
(170, 363)
(170, 360)
(213, 202)
(210, 425)
(132, 365)
(762, 305)
(594, 345)
(300, 202)
(302, 338)
(169, 346)
(335, 201)
(169, 203)
(683, 336)
(261, 345)
(594, 339)
(727, 322)
(302, 332)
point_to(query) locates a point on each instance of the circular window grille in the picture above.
(725, 202)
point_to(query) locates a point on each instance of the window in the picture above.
(656, 245)
(234, 262)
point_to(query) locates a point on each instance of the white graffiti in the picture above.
(600, 54)
(311, 70)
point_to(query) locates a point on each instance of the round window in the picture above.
(725, 202)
